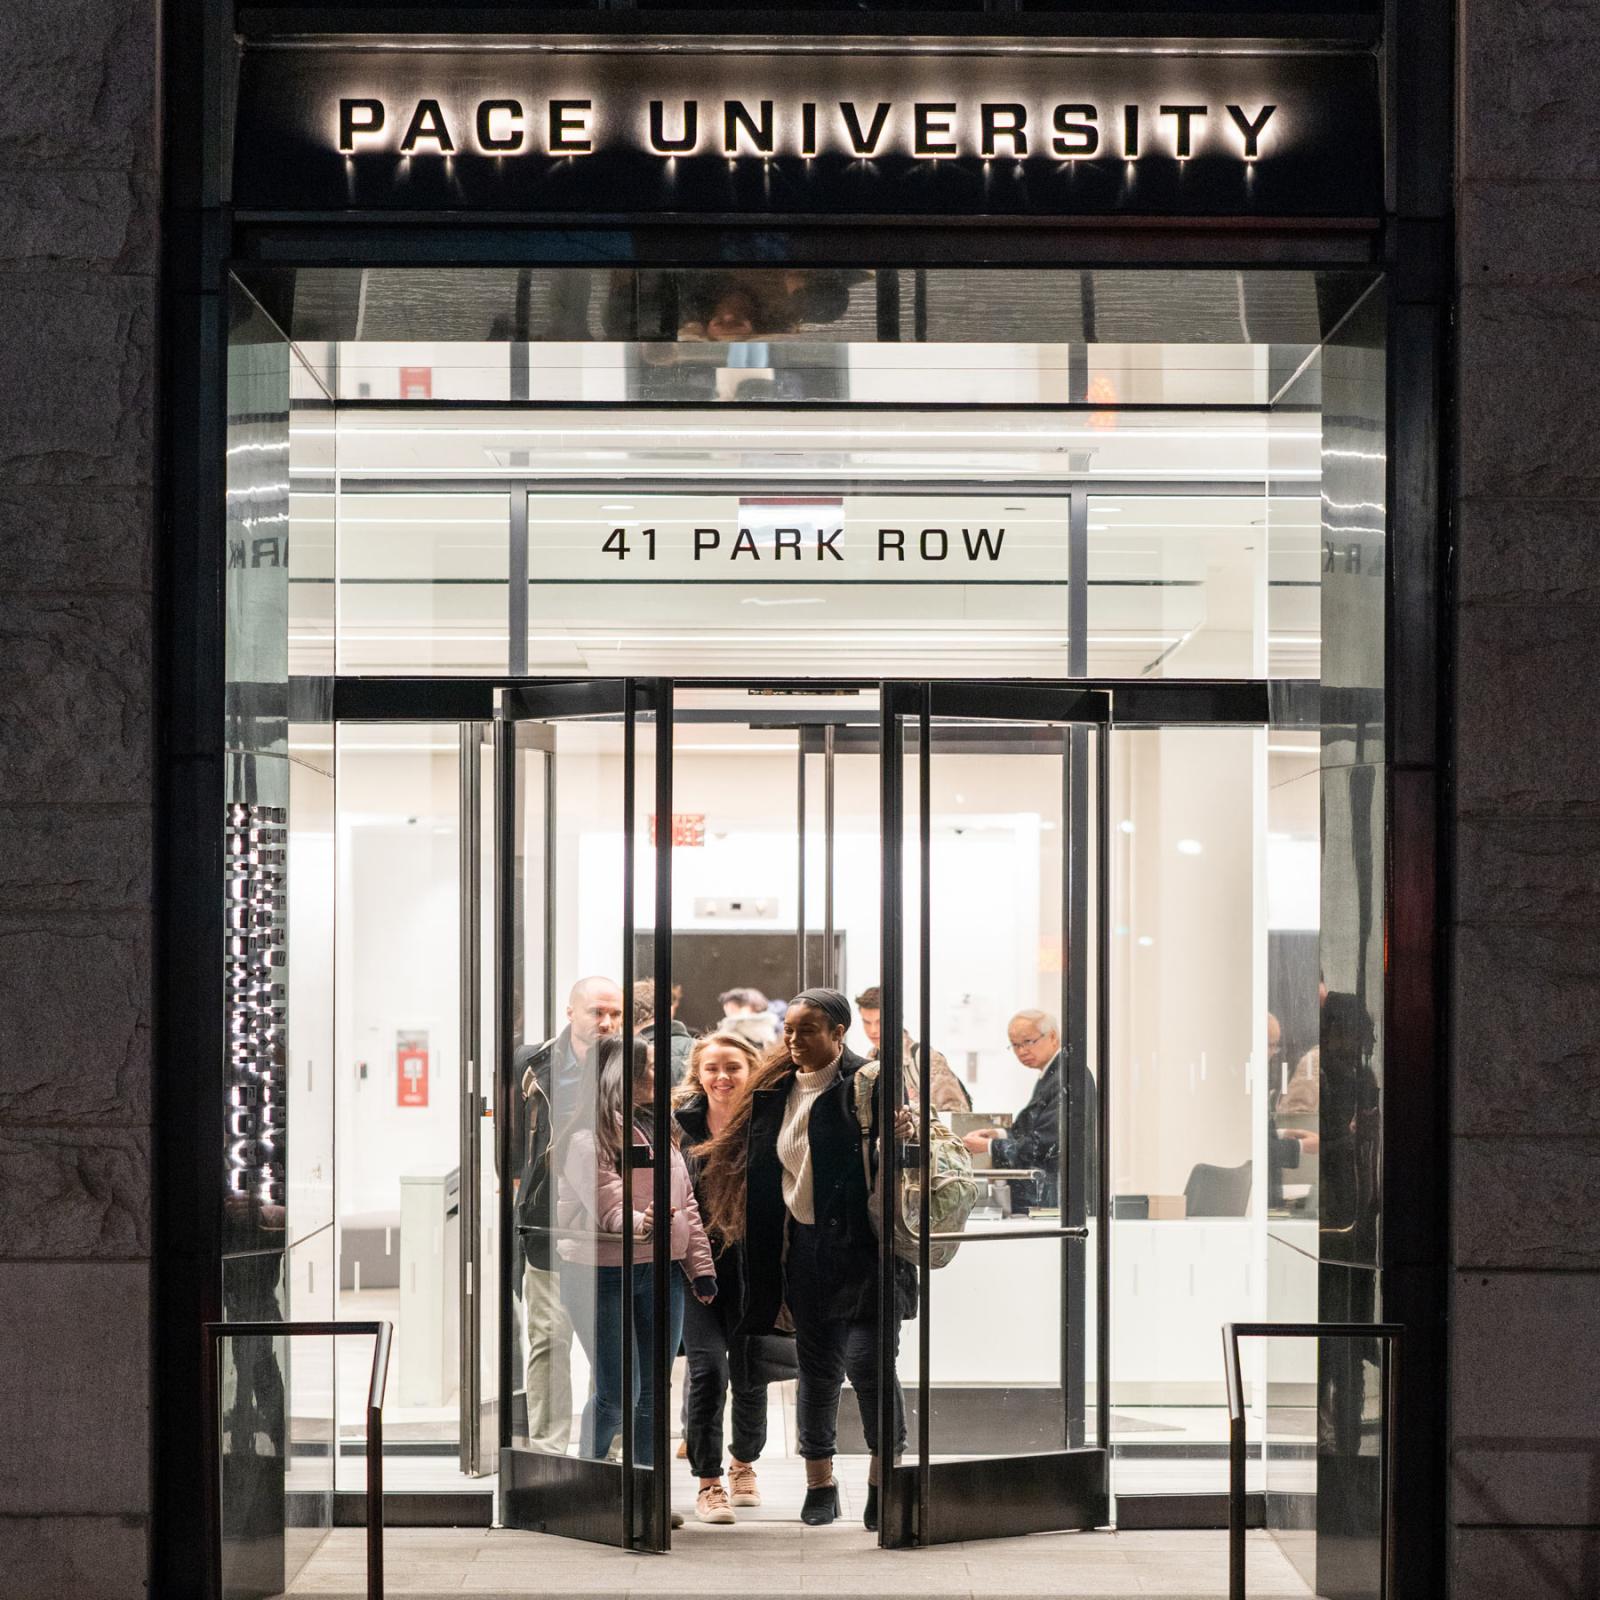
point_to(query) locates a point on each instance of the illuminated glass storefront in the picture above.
(998, 609)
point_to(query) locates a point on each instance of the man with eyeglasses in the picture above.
(1034, 1139)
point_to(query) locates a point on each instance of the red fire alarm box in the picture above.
(411, 1068)
(416, 383)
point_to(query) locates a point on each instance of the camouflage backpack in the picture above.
(951, 1189)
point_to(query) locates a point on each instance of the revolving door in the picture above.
(943, 806)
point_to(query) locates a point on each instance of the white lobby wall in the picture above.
(396, 967)
(996, 944)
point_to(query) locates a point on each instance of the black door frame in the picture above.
(567, 1495)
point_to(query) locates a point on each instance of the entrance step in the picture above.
(777, 1560)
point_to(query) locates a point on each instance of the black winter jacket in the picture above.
(1035, 1140)
(849, 1252)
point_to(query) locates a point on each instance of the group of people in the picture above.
(775, 1257)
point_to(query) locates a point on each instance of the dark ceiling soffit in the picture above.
(353, 240)
(1266, 29)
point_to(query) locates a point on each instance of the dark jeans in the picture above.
(594, 1300)
(829, 1350)
(705, 1339)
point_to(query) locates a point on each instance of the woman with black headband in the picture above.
(786, 1177)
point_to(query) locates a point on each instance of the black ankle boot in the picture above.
(820, 1506)
(869, 1517)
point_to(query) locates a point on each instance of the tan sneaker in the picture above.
(711, 1504)
(742, 1481)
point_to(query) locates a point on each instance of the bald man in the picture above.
(1034, 1139)
(550, 1075)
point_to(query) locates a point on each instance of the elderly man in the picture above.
(946, 1091)
(1035, 1137)
(550, 1075)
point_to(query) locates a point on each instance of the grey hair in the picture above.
(1044, 1021)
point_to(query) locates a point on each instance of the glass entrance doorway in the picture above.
(969, 817)
(1085, 483)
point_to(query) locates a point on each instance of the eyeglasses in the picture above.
(1026, 1044)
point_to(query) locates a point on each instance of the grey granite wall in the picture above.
(1525, 1467)
(78, 241)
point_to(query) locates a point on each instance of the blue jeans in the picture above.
(594, 1299)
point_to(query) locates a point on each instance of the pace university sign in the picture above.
(972, 133)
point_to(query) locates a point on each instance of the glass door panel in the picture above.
(579, 775)
(991, 962)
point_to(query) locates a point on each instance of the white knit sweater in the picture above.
(794, 1141)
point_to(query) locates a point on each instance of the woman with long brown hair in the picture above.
(721, 1066)
(785, 1178)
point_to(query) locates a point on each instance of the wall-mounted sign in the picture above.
(411, 1067)
(760, 542)
(971, 133)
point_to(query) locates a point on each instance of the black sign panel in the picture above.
(627, 132)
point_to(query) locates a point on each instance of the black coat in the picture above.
(1035, 1140)
(751, 1359)
(848, 1250)
(533, 1114)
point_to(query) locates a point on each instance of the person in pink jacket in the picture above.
(594, 1203)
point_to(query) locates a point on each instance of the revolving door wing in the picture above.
(994, 868)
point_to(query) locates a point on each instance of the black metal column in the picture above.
(661, 1276)
(1079, 1139)
(895, 1521)
(505, 1043)
(631, 1529)
(802, 963)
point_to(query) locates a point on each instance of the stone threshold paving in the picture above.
(786, 1561)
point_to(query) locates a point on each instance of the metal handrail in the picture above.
(1010, 1233)
(1388, 1336)
(382, 1335)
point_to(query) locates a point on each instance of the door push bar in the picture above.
(1388, 1336)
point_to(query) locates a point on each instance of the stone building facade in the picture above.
(81, 730)
(80, 208)
(1525, 1400)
